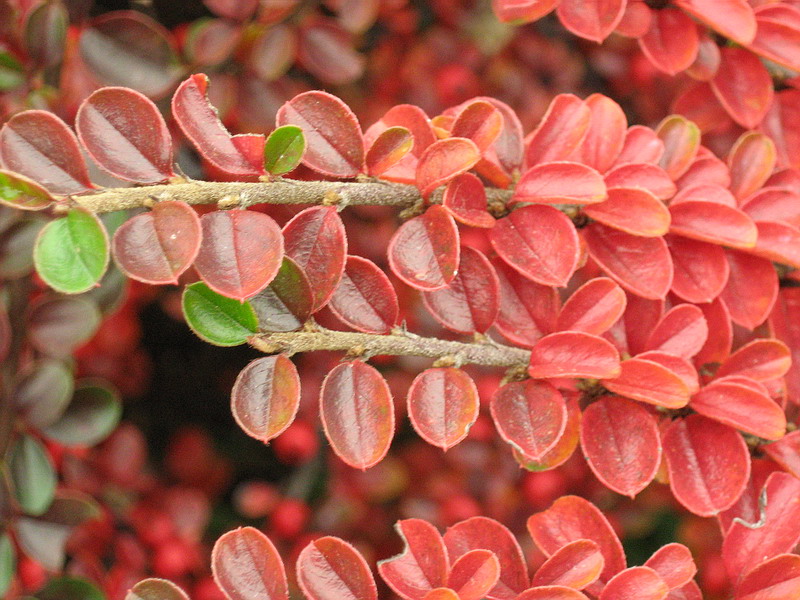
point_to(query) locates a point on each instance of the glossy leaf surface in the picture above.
(575, 565)
(217, 319)
(284, 149)
(444, 160)
(442, 405)
(331, 569)
(560, 182)
(465, 198)
(474, 574)
(246, 565)
(423, 564)
(574, 354)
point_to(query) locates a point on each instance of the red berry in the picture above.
(289, 518)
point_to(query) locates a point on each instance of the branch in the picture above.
(281, 191)
(398, 343)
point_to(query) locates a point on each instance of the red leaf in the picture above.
(39, 145)
(649, 381)
(530, 415)
(786, 452)
(776, 578)
(751, 161)
(443, 161)
(237, 155)
(591, 20)
(443, 404)
(441, 594)
(265, 397)
(465, 198)
(575, 565)
(528, 310)
(286, 303)
(560, 182)
(635, 211)
(607, 130)
(682, 332)
(538, 241)
(237, 10)
(480, 533)
(334, 143)
(701, 269)
(245, 563)
(713, 222)
(480, 122)
(778, 36)
(672, 42)
(416, 121)
(565, 446)
(746, 547)
(641, 317)
(677, 365)
(642, 583)
(593, 308)
(331, 569)
(241, 252)
(156, 247)
(560, 131)
(699, 104)
(551, 592)
(705, 482)
(316, 240)
(357, 413)
(718, 345)
(751, 290)
(785, 327)
(125, 134)
(780, 125)
(732, 18)
(742, 408)
(365, 299)
(705, 170)
(388, 149)
(708, 192)
(674, 564)
(423, 564)
(621, 444)
(574, 354)
(644, 176)
(690, 591)
(708, 58)
(640, 265)
(522, 11)
(641, 145)
(326, 51)
(774, 204)
(760, 360)
(743, 86)
(474, 574)
(508, 147)
(571, 518)
(636, 20)
(424, 251)
(471, 301)
(681, 143)
(778, 242)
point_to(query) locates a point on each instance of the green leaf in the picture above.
(71, 253)
(12, 73)
(91, 416)
(18, 191)
(69, 588)
(33, 475)
(8, 563)
(216, 319)
(284, 149)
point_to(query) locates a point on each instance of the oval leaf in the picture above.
(286, 303)
(156, 589)
(92, 414)
(219, 320)
(575, 565)
(20, 192)
(443, 161)
(246, 565)
(574, 354)
(560, 183)
(331, 569)
(474, 574)
(365, 299)
(423, 564)
(389, 148)
(465, 198)
(593, 308)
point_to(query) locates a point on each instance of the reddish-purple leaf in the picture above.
(465, 198)
(741, 407)
(713, 222)
(644, 176)
(560, 131)
(591, 19)
(474, 574)
(635, 211)
(286, 303)
(560, 182)
(576, 565)
(357, 413)
(732, 18)
(574, 354)
(761, 360)
(331, 569)
(538, 241)
(424, 252)
(674, 564)
(365, 299)
(39, 145)
(681, 143)
(743, 86)
(480, 122)
(237, 10)
(443, 404)
(471, 301)
(705, 482)
(246, 565)
(156, 247)
(265, 397)
(316, 240)
(751, 161)
(444, 160)
(751, 290)
(640, 265)
(650, 381)
(528, 310)
(240, 155)
(126, 135)
(701, 269)
(642, 583)
(621, 444)
(682, 332)
(530, 415)
(774, 579)
(593, 308)
(508, 148)
(480, 533)
(334, 144)
(423, 564)
(672, 41)
(389, 148)
(745, 546)
(326, 50)
(571, 518)
(241, 252)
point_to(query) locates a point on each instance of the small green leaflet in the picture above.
(284, 149)
(18, 191)
(216, 319)
(33, 475)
